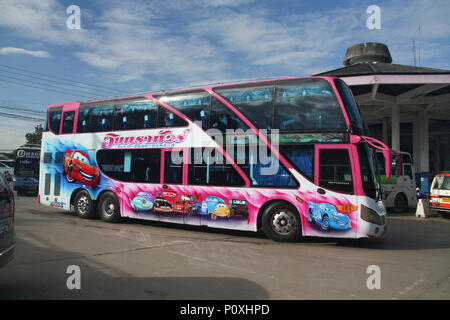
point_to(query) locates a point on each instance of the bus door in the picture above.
(336, 206)
(176, 202)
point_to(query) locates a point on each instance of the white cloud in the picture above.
(180, 42)
(13, 50)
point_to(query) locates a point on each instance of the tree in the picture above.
(36, 136)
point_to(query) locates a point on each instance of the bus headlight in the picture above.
(370, 215)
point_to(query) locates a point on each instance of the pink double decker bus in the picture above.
(287, 156)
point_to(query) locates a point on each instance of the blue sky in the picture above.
(125, 47)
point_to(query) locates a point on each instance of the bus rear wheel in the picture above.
(84, 206)
(281, 222)
(109, 207)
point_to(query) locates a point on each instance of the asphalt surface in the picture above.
(151, 260)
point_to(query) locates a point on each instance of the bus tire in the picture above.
(400, 203)
(84, 205)
(109, 207)
(281, 222)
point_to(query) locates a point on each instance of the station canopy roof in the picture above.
(377, 84)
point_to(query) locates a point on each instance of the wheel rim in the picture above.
(109, 208)
(283, 222)
(83, 204)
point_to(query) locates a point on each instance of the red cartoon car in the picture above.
(77, 167)
(170, 197)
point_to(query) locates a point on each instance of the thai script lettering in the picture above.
(165, 138)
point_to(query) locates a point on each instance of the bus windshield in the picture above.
(350, 107)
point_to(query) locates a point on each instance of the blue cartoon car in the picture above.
(142, 201)
(209, 204)
(327, 216)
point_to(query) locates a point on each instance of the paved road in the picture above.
(149, 260)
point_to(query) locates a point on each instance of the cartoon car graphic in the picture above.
(162, 205)
(221, 210)
(142, 201)
(169, 196)
(327, 216)
(238, 207)
(77, 167)
(185, 204)
(209, 204)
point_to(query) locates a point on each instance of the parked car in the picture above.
(221, 210)
(77, 167)
(142, 201)
(7, 232)
(209, 204)
(440, 193)
(4, 167)
(327, 216)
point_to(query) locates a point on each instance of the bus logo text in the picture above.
(163, 138)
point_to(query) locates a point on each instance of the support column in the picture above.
(437, 155)
(424, 150)
(446, 157)
(416, 142)
(384, 126)
(395, 130)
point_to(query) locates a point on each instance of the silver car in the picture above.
(7, 232)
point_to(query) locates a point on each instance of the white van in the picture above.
(440, 193)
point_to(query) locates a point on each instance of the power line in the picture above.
(19, 117)
(47, 85)
(78, 87)
(63, 79)
(22, 109)
(31, 86)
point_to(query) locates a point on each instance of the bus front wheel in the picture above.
(109, 207)
(281, 222)
(84, 206)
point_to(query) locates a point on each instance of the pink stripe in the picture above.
(185, 165)
(341, 104)
(161, 173)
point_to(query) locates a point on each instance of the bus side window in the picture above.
(68, 120)
(173, 171)
(95, 118)
(207, 166)
(222, 118)
(335, 171)
(167, 118)
(263, 172)
(301, 157)
(195, 106)
(135, 115)
(54, 119)
(255, 103)
(307, 105)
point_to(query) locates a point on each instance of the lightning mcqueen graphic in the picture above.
(77, 167)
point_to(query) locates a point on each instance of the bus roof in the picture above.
(191, 89)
